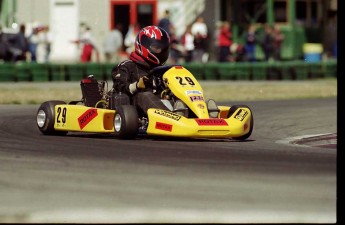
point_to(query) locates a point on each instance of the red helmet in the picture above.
(153, 44)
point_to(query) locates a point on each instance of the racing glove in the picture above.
(142, 82)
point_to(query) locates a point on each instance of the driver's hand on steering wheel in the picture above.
(143, 82)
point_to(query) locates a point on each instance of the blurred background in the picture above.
(202, 31)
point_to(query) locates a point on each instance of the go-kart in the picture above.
(189, 115)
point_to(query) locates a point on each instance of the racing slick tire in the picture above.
(232, 110)
(126, 123)
(45, 118)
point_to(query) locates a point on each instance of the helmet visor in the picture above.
(156, 48)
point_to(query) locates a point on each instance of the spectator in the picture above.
(267, 43)
(3, 46)
(165, 22)
(48, 42)
(199, 27)
(88, 46)
(237, 52)
(33, 44)
(175, 48)
(200, 33)
(44, 42)
(18, 45)
(330, 40)
(112, 44)
(224, 42)
(123, 55)
(130, 37)
(215, 39)
(187, 41)
(277, 43)
(250, 43)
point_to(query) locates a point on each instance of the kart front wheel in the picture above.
(126, 122)
(246, 136)
(45, 118)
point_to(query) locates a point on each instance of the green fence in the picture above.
(282, 70)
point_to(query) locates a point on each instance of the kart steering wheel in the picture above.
(159, 71)
(156, 74)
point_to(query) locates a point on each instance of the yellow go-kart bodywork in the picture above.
(55, 117)
(165, 123)
(161, 123)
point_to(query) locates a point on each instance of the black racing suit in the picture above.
(126, 74)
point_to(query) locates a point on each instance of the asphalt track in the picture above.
(270, 178)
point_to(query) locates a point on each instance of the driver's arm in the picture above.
(128, 79)
(121, 79)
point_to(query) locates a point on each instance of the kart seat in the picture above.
(90, 91)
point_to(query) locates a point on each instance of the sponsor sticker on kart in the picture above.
(163, 126)
(241, 114)
(201, 106)
(211, 122)
(196, 98)
(193, 92)
(168, 114)
(87, 117)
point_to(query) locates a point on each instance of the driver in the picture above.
(152, 46)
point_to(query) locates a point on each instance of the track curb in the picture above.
(317, 140)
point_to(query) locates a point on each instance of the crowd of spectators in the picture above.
(34, 47)
(194, 45)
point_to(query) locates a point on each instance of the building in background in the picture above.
(67, 18)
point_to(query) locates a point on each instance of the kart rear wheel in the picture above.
(246, 136)
(126, 123)
(45, 118)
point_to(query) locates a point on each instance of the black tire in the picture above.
(45, 118)
(246, 136)
(126, 122)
